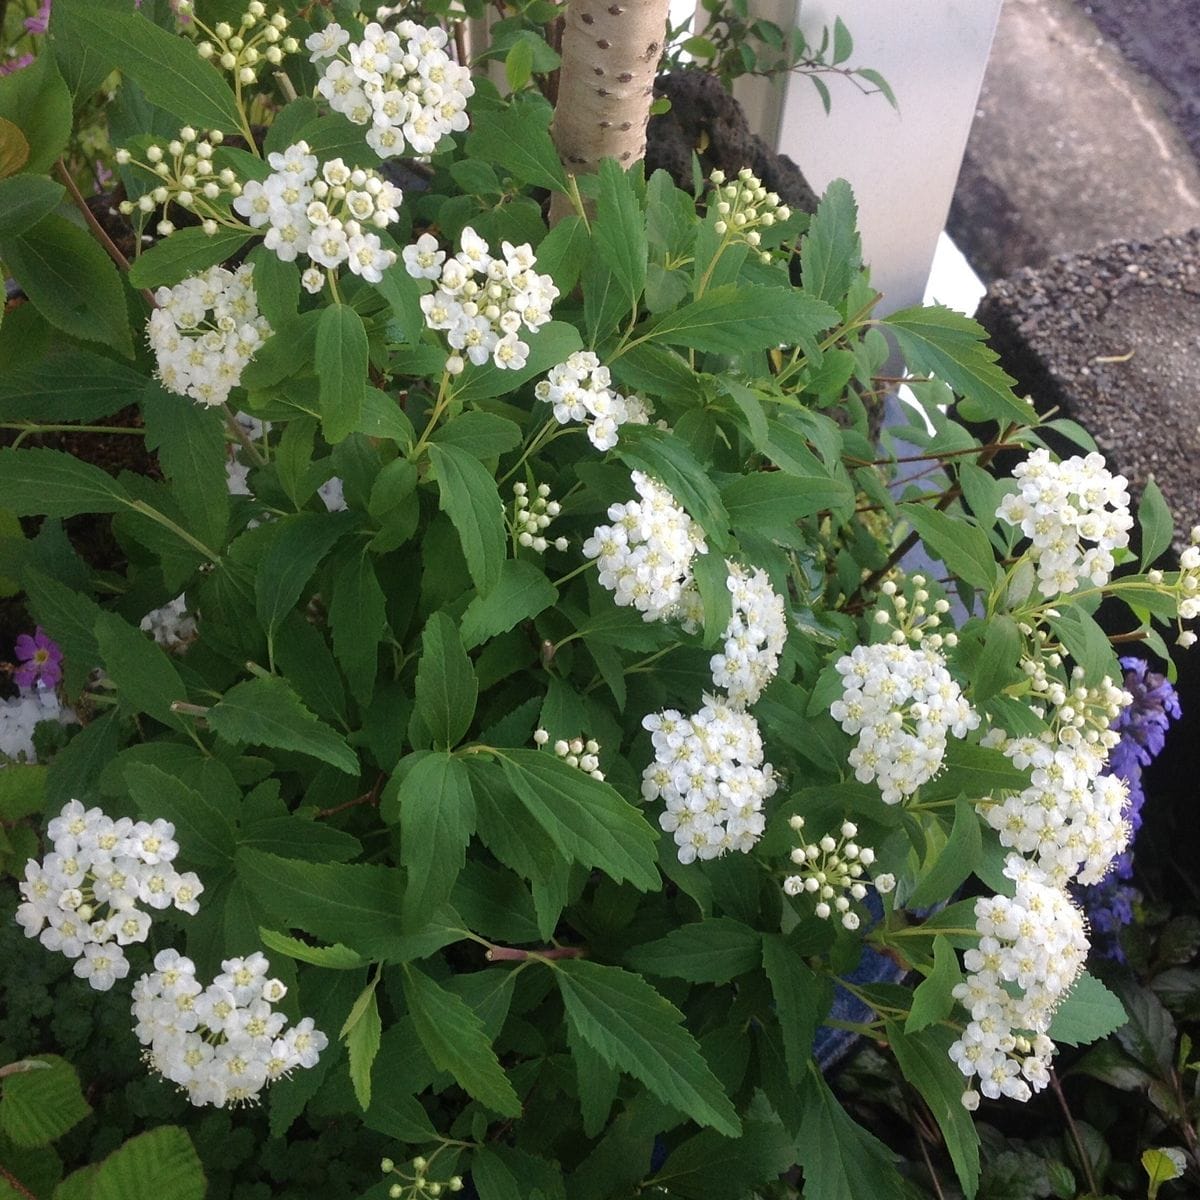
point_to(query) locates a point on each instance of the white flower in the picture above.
(709, 770)
(102, 965)
(579, 390)
(754, 637)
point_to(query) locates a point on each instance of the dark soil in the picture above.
(1162, 39)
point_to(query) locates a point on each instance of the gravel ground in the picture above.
(1162, 39)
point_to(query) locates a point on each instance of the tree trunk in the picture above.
(610, 51)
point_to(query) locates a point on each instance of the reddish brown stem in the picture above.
(513, 954)
(371, 797)
(16, 1185)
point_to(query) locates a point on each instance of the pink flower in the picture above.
(40, 21)
(15, 64)
(41, 660)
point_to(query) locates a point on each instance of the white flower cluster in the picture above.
(1070, 818)
(1031, 949)
(322, 212)
(186, 176)
(709, 770)
(831, 871)
(645, 556)
(1187, 587)
(1060, 506)
(204, 332)
(481, 302)
(172, 626)
(223, 1043)
(21, 714)
(399, 81)
(242, 52)
(583, 755)
(754, 637)
(82, 900)
(531, 518)
(903, 704)
(580, 389)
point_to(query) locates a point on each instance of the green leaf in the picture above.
(521, 593)
(167, 68)
(70, 281)
(711, 1167)
(341, 370)
(551, 344)
(518, 65)
(70, 618)
(999, 664)
(940, 879)
(771, 500)
(933, 1000)
(355, 905)
(300, 543)
(734, 320)
(74, 770)
(54, 484)
(635, 1029)
(926, 1064)
(358, 617)
(619, 231)
(843, 43)
(362, 1034)
(961, 545)
(469, 496)
(831, 252)
(190, 442)
(1089, 1013)
(152, 1166)
(22, 792)
(713, 951)
(42, 1103)
(801, 1000)
(1087, 643)
(588, 820)
(954, 348)
(446, 688)
(71, 385)
(841, 1160)
(145, 676)
(1155, 521)
(205, 828)
(437, 818)
(25, 200)
(711, 575)
(517, 138)
(37, 102)
(185, 253)
(265, 711)
(482, 434)
(455, 1039)
(563, 251)
(333, 958)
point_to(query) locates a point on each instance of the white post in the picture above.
(902, 165)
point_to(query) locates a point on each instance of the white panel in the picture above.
(902, 165)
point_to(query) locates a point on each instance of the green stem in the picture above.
(566, 579)
(542, 438)
(235, 427)
(28, 427)
(444, 397)
(140, 506)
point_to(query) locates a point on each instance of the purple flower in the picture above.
(40, 21)
(15, 64)
(41, 660)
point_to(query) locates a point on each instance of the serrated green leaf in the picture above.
(1089, 1013)
(999, 664)
(587, 819)
(54, 484)
(1156, 523)
(801, 999)
(446, 688)
(619, 230)
(831, 252)
(41, 1103)
(362, 1033)
(710, 1167)
(713, 951)
(146, 678)
(468, 495)
(563, 251)
(518, 65)
(333, 958)
(1087, 643)
(481, 434)
(70, 618)
(518, 139)
(926, 1064)
(358, 617)
(152, 1166)
(72, 385)
(961, 545)
(954, 348)
(337, 902)
(455, 1039)
(771, 500)
(634, 1028)
(22, 791)
(341, 358)
(841, 1160)
(25, 200)
(933, 999)
(185, 253)
(203, 826)
(265, 711)
(961, 855)
(521, 593)
(35, 100)
(167, 68)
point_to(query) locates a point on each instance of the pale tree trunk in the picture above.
(610, 51)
